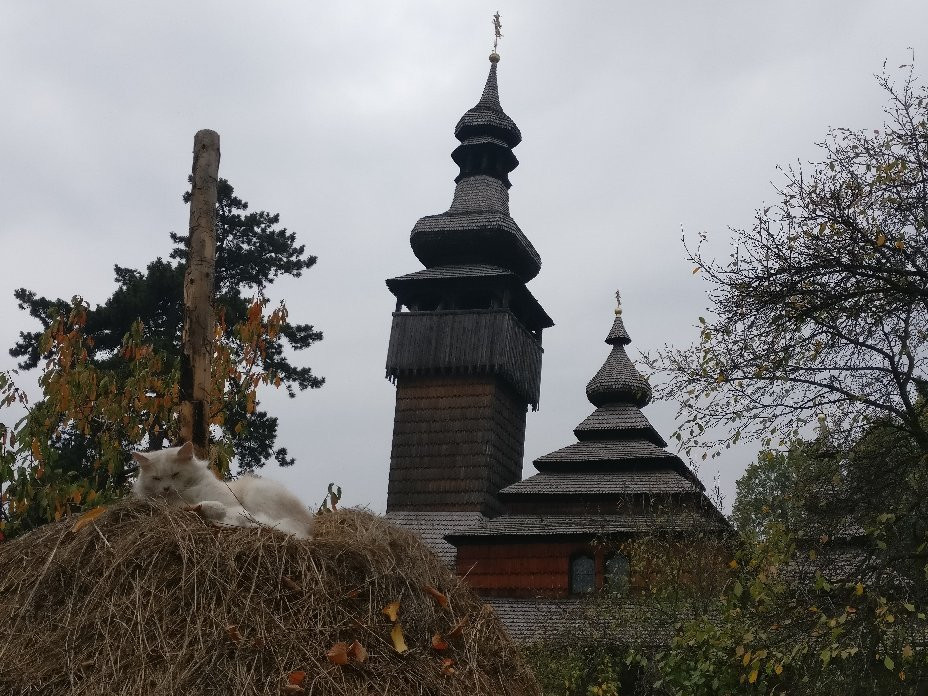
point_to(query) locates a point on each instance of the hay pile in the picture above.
(150, 600)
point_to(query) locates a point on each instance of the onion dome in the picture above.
(618, 382)
(617, 433)
(477, 228)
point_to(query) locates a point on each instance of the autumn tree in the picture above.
(109, 374)
(818, 323)
(821, 310)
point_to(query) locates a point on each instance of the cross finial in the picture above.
(497, 34)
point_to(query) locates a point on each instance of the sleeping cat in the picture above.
(177, 476)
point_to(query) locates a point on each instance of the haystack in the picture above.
(146, 599)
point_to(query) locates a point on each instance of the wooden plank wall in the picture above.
(456, 442)
(466, 342)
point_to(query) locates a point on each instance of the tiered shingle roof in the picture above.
(477, 228)
(619, 458)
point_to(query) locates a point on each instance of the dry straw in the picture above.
(150, 600)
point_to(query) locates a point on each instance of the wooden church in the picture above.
(465, 354)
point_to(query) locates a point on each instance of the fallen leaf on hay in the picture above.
(290, 584)
(446, 667)
(436, 595)
(88, 517)
(296, 677)
(458, 628)
(232, 631)
(439, 643)
(291, 689)
(357, 651)
(338, 654)
(352, 594)
(399, 643)
(392, 610)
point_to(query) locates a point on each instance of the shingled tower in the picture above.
(465, 345)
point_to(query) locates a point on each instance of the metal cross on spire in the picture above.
(497, 34)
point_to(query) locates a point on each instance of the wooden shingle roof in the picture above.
(656, 481)
(488, 117)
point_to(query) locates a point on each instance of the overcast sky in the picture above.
(640, 121)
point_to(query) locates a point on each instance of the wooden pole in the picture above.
(199, 318)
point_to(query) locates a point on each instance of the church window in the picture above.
(617, 571)
(582, 574)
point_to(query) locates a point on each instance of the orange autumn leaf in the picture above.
(447, 667)
(338, 654)
(392, 610)
(357, 651)
(436, 595)
(296, 677)
(88, 517)
(439, 643)
(399, 642)
(233, 633)
(458, 628)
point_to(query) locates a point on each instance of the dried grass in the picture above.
(140, 600)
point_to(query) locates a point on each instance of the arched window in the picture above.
(582, 574)
(617, 572)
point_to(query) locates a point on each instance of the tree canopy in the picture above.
(109, 373)
(821, 310)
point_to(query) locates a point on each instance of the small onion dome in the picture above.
(487, 118)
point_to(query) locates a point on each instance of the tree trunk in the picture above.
(199, 279)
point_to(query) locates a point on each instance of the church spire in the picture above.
(478, 228)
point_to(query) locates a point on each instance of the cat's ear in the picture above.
(141, 459)
(186, 451)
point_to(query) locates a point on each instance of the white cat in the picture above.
(176, 475)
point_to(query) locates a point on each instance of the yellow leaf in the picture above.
(392, 610)
(900, 244)
(88, 517)
(778, 669)
(880, 239)
(859, 588)
(752, 677)
(907, 651)
(746, 659)
(399, 643)
(733, 564)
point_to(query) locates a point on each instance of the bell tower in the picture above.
(465, 343)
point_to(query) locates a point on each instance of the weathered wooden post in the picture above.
(199, 319)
